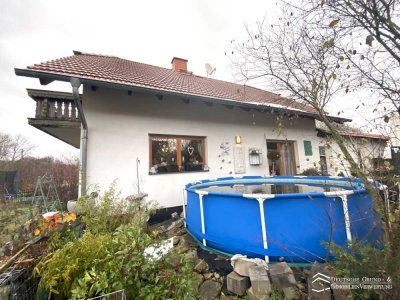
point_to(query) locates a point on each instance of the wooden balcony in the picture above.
(56, 115)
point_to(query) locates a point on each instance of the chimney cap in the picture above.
(178, 58)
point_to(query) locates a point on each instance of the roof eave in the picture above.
(36, 94)
(46, 78)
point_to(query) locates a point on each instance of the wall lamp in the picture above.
(238, 139)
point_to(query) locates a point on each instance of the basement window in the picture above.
(173, 154)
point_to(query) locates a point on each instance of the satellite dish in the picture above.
(209, 69)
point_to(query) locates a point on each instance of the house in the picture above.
(156, 129)
(367, 149)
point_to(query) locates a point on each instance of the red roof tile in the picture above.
(358, 134)
(121, 71)
(364, 135)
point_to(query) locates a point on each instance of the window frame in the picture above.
(322, 154)
(179, 139)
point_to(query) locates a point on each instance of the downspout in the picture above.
(75, 82)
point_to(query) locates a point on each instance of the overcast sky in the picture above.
(146, 31)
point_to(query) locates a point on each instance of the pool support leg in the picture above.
(264, 230)
(184, 201)
(343, 196)
(203, 226)
(346, 217)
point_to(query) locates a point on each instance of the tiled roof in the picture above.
(364, 135)
(121, 71)
(358, 134)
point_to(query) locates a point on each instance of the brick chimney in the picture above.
(179, 64)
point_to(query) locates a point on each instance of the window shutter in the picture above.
(307, 148)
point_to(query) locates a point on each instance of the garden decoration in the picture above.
(46, 193)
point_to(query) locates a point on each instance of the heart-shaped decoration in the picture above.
(190, 150)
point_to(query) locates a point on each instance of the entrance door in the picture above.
(281, 159)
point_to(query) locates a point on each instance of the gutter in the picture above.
(49, 77)
(75, 82)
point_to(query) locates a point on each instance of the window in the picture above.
(322, 160)
(170, 154)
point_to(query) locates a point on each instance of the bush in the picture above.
(60, 269)
(126, 267)
(362, 260)
(311, 172)
(110, 256)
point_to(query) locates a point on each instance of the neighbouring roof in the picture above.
(358, 134)
(111, 69)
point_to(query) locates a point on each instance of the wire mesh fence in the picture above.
(18, 284)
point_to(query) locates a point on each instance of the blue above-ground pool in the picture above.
(293, 218)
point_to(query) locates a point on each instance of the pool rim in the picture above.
(354, 185)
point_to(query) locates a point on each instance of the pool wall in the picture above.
(296, 227)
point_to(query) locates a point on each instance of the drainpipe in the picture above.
(75, 82)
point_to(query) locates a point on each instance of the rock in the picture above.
(175, 240)
(259, 280)
(181, 231)
(171, 227)
(283, 279)
(201, 266)
(319, 282)
(182, 215)
(225, 297)
(182, 248)
(176, 224)
(237, 284)
(197, 279)
(174, 216)
(174, 260)
(216, 275)
(188, 240)
(209, 290)
(191, 256)
(208, 276)
(8, 249)
(252, 296)
(242, 266)
(290, 292)
(176, 228)
(342, 294)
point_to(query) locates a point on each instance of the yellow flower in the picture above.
(36, 232)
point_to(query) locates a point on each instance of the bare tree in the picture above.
(367, 42)
(297, 57)
(13, 148)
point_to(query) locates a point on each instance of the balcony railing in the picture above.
(56, 109)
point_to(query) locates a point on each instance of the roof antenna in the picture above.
(210, 70)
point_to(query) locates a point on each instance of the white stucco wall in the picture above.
(366, 148)
(119, 128)
(394, 129)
